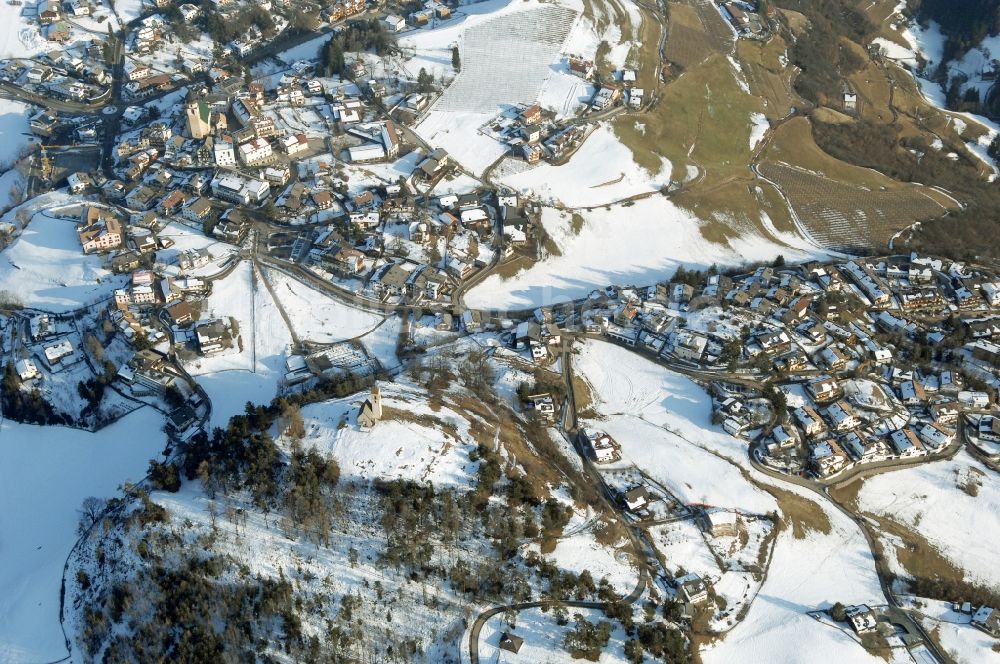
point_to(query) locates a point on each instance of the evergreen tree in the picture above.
(425, 81)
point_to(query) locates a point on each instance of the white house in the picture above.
(255, 151)
(224, 153)
(394, 23)
(26, 369)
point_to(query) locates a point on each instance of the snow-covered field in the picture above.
(506, 60)
(805, 574)
(19, 36)
(128, 10)
(236, 376)
(691, 473)
(14, 129)
(543, 638)
(662, 420)
(930, 499)
(602, 171)
(44, 478)
(413, 445)
(579, 552)
(316, 316)
(381, 342)
(639, 244)
(46, 268)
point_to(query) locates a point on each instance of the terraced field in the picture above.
(846, 217)
(720, 35)
(687, 43)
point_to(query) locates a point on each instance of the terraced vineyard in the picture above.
(720, 35)
(687, 45)
(507, 59)
(696, 31)
(849, 218)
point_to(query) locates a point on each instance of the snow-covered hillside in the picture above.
(46, 474)
(662, 421)
(638, 243)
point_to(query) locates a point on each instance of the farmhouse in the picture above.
(602, 447)
(26, 369)
(861, 617)
(635, 498)
(211, 335)
(510, 642)
(692, 588)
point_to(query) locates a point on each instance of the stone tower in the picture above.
(199, 119)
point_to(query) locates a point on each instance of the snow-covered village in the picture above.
(504, 331)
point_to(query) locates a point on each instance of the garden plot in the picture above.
(46, 474)
(602, 171)
(660, 504)
(732, 565)
(316, 316)
(46, 268)
(506, 60)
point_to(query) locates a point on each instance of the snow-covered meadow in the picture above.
(413, 442)
(602, 171)
(316, 316)
(250, 373)
(544, 637)
(45, 267)
(936, 500)
(638, 243)
(44, 478)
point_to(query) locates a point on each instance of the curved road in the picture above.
(882, 571)
(481, 619)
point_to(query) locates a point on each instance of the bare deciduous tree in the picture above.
(91, 512)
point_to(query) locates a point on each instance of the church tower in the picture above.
(199, 118)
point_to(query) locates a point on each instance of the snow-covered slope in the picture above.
(45, 475)
(639, 244)
(932, 499)
(805, 574)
